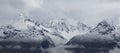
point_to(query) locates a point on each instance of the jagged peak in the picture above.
(104, 27)
(67, 25)
(103, 23)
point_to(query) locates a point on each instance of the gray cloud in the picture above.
(87, 11)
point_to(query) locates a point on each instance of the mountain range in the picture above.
(60, 32)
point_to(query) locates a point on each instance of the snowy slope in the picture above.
(67, 27)
(34, 33)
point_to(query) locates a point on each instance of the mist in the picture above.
(89, 12)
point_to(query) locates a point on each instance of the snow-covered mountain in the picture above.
(34, 33)
(102, 35)
(61, 31)
(67, 25)
(104, 27)
(47, 31)
(67, 28)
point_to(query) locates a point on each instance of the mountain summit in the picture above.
(104, 27)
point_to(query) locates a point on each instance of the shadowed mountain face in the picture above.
(98, 39)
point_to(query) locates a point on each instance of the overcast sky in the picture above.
(87, 11)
